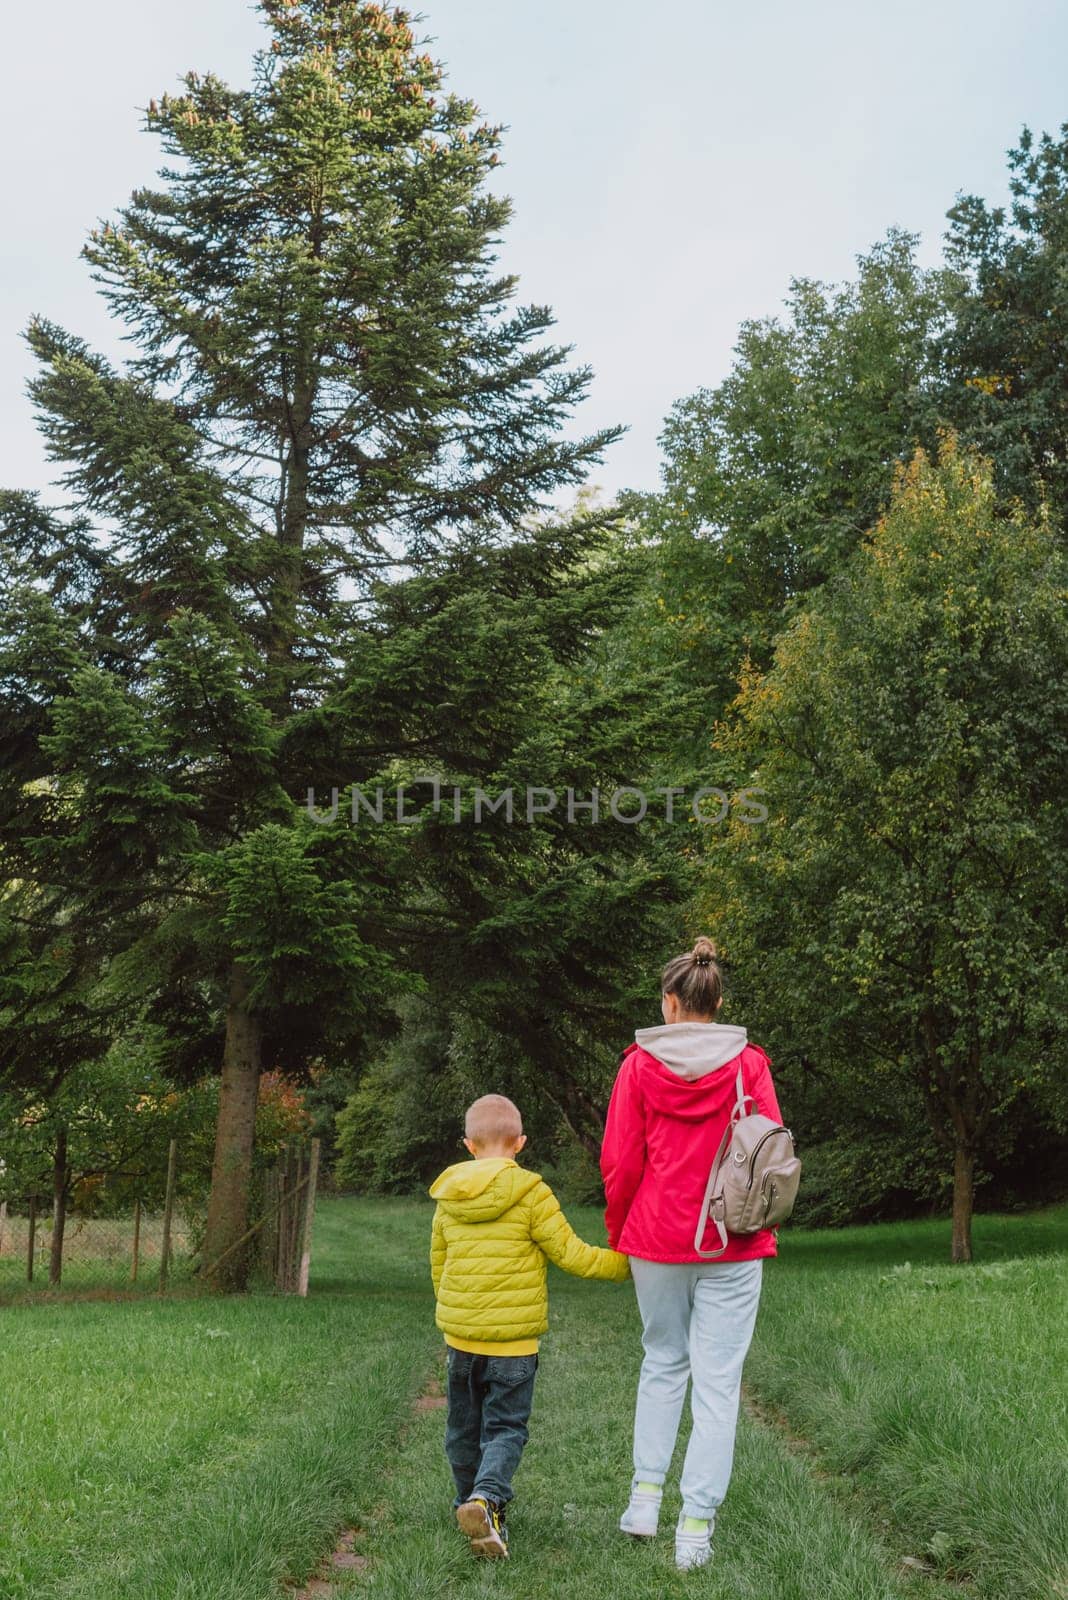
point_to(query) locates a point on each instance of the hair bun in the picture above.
(704, 952)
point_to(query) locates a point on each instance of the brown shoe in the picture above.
(480, 1520)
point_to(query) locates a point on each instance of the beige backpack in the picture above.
(754, 1178)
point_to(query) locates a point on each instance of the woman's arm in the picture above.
(623, 1149)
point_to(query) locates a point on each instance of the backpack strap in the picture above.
(712, 1208)
(712, 1204)
(740, 1098)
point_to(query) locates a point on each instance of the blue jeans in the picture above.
(697, 1322)
(486, 1427)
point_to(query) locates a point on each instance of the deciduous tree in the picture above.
(901, 914)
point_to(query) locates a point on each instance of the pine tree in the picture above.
(1003, 352)
(300, 551)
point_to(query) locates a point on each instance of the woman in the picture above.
(672, 1100)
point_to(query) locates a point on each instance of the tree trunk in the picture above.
(59, 1207)
(234, 1135)
(963, 1200)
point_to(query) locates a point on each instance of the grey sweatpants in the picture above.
(697, 1323)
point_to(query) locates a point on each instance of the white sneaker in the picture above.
(692, 1549)
(642, 1515)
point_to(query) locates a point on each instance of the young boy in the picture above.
(494, 1226)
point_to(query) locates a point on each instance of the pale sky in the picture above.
(672, 166)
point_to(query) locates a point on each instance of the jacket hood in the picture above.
(680, 1070)
(690, 1049)
(479, 1191)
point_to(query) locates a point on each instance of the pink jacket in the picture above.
(671, 1102)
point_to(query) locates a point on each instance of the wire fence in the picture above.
(97, 1252)
(105, 1244)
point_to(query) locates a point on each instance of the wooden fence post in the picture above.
(275, 1190)
(309, 1218)
(294, 1225)
(3, 1224)
(59, 1208)
(279, 1225)
(168, 1211)
(284, 1214)
(250, 1233)
(137, 1239)
(32, 1239)
(264, 1250)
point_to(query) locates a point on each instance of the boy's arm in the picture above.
(623, 1149)
(552, 1232)
(438, 1249)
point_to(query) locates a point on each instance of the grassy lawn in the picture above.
(195, 1449)
(781, 1537)
(200, 1449)
(941, 1391)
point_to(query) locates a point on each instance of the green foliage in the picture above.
(309, 545)
(404, 1121)
(297, 929)
(573, 1173)
(864, 1173)
(770, 482)
(104, 1133)
(897, 919)
(1002, 353)
(771, 479)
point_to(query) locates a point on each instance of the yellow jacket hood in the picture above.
(481, 1191)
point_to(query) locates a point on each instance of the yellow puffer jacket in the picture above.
(493, 1229)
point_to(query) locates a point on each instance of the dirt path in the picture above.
(348, 1558)
(789, 1530)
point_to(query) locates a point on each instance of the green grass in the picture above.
(781, 1536)
(940, 1391)
(201, 1449)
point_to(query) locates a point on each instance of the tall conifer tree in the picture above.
(301, 549)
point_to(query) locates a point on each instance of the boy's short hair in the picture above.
(493, 1119)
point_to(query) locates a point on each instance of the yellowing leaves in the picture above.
(995, 383)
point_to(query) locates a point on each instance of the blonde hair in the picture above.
(493, 1120)
(696, 979)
